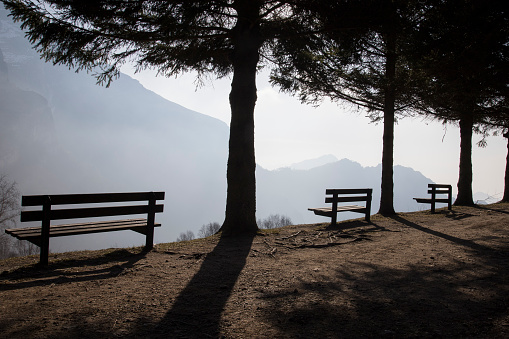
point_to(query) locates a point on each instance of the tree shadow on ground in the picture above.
(455, 215)
(56, 272)
(463, 242)
(367, 299)
(491, 208)
(196, 312)
(354, 224)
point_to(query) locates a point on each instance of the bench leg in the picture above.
(46, 210)
(44, 252)
(334, 218)
(149, 241)
(368, 206)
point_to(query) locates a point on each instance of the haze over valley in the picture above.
(62, 133)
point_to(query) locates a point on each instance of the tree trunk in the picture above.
(465, 176)
(240, 216)
(387, 194)
(506, 182)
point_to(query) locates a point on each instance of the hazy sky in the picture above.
(287, 132)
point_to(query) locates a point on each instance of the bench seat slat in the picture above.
(67, 226)
(429, 200)
(81, 228)
(327, 211)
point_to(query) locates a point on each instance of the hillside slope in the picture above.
(62, 133)
(414, 275)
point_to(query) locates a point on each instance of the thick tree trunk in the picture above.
(240, 216)
(465, 176)
(387, 194)
(506, 181)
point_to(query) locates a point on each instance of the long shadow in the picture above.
(53, 274)
(490, 208)
(196, 312)
(349, 224)
(371, 301)
(360, 224)
(459, 241)
(456, 215)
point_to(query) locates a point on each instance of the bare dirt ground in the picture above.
(413, 275)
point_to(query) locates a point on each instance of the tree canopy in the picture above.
(359, 56)
(217, 38)
(463, 51)
(444, 58)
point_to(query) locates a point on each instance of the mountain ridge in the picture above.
(293, 191)
(61, 133)
(312, 163)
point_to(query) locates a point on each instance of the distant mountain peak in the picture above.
(312, 163)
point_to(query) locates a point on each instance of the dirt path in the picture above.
(415, 275)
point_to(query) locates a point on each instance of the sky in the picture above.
(288, 131)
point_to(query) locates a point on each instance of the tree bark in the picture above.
(506, 181)
(387, 193)
(464, 197)
(240, 215)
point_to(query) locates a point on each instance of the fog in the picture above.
(61, 133)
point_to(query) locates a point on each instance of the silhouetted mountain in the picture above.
(62, 133)
(292, 192)
(312, 163)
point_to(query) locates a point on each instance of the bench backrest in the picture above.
(47, 201)
(439, 189)
(355, 194)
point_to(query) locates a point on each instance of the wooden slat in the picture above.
(438, 191)
(439, 185)
(348, 190)
(327, 211)
(74, 213)
(423, 200)
(81, 228)
(33, 231)
(64, 226)
(347, 199)
(67, 199)
(429, 200)
(350, 208)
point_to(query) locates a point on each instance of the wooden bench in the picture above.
(109, 207)
(434, 190)
(336, 196)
